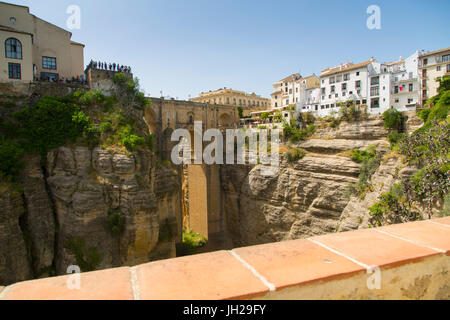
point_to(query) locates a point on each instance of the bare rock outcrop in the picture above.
(60, 218)
(370, 129)
(14, 258)
(303, 199)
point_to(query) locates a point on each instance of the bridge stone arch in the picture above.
(226, 120)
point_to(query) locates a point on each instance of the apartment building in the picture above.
(432, 65)
(293, 90)
(399, 84)
(32, 48)
(348, 82)
(248, 101)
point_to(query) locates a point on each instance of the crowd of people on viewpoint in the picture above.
(109, 66)
(81, 80)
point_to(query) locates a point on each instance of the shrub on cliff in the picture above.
(192, 241)
(349, 111)
(295, 154)
(10, 154)
(129, 93)
(115, 222)
(88, 259)
(50, 123)
(370, 160)
(393, 119)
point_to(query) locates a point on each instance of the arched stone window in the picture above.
(13, 49)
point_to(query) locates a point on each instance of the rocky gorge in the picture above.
(309, 197)
(105, 206)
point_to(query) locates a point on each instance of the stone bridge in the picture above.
(200, 184)
(165, 116)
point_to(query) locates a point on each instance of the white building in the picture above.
(292, 90)
(432, 65)
(348, 82)
(399, 84)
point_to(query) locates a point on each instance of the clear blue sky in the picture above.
(185, 47)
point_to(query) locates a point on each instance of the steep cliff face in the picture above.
(69, 200)
(307, 197)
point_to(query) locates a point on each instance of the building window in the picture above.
(411, 87)
(397, 100)
(375, 81)
(446, 58)
(49, 63)
(425, 62)
(14, 71)
(332, 80)
(357, 73)
(375, 103)
(358, 84)
(448, 68)
(410, 101)
(323, 91)
(333, 89)
(13, 49)
(438, 68)
(424, 73)
(290, 91)
(344, 86)
(346, 77)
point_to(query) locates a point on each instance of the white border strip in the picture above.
(135, 284)
(342, 254)
(410, 241)
(438, 224)
(269, 285)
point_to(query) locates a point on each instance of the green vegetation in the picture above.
(360, 156)
(265, 116)
(418, 196)
(87, 259)
(393, 119)
(393, 207)
(438, 105)
(10, 155)
(192, 241)
(349, 112)
(115, 222)
(54, 121)
(370, 160)
(262, 127)
(294, 134)
(295, 154)
(129, 93)
(50, 123)
(394, 138)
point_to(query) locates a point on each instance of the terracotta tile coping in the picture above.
(250, 272)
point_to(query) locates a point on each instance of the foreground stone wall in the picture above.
(408, 261)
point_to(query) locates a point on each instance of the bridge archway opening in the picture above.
(225, 120)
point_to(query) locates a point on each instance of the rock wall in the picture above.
(70, 197)
(307, 197)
